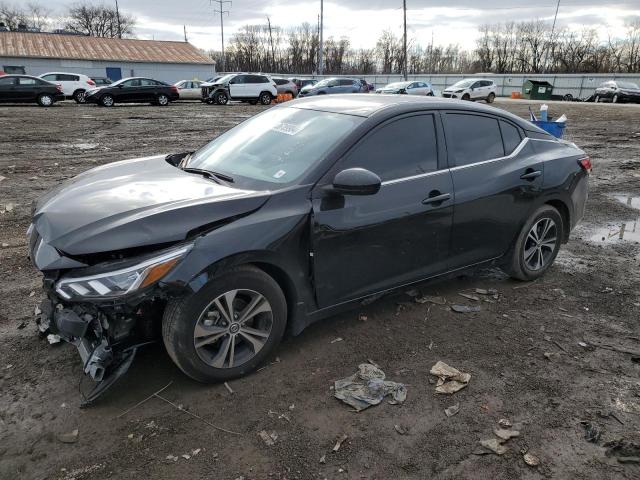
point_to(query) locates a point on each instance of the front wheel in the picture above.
(78, 96)
(537, 245)
(221, 98)
(45, 100)
(466, 96)
(228, 328)
(491, 97)
(107, 101)
(265, 98)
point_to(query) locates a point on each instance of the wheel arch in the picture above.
(565, 213)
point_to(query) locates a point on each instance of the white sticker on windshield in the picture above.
(287, 128)
(279, 174)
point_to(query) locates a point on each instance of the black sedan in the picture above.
(27, 89)
(295, 214)
(617, 91)
(133, 90)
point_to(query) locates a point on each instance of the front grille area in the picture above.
(446, 95)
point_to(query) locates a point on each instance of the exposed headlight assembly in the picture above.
(120, 282)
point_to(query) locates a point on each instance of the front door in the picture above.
(365, 244)
(495, 182)
(238, 86)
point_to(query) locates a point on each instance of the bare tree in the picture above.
(99, 21)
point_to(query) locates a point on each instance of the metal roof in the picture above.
(80, 47)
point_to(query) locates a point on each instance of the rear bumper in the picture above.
(579, 198)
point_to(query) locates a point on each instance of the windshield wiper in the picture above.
(216, 176)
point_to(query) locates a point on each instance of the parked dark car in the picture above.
(28, 89)
(133, 90)
(303, 82)
(617, 91)
(295, 214)
(333, 86)
(102, 81)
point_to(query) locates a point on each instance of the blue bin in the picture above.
(554, 128)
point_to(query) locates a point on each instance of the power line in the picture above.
(404, 8)
(222, 12)
(320, 52)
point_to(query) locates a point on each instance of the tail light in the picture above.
(585, 163)
(174, 89)
(58, 87)
(91, 82)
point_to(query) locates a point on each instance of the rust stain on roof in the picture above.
(79, 47)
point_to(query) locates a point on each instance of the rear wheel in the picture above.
(45, 100)
(107, 100)
(615, 98)
(228, 328)
(537, 245)
(466, 96)
(265, 98)
(78, 96)
(568, 97)
(162, 100)
(491, 97)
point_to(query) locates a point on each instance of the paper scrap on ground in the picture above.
(368, 387)
(450, 379)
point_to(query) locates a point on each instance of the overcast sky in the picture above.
(449, 21)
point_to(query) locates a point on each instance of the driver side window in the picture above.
(401, 148)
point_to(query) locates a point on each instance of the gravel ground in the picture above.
(521, 350)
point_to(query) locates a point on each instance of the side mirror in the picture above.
(356, 181)
(120, 85)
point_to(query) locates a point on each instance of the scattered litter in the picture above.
(475, 298)
(484, 291)
(5, 245)
(400, 429)
(452, 410)
(130, 436)
(592, 432)
(2, 178)
(430, 299)
(505, 434)
(291, 407)
(172, 458)
(195, 452)
(268, 439)
(505, 423)
(323, 459)
(336, 340)
(228, 388)
(32, 293)
(494, 445)
(368, 387)
(70, 437)
(338, 444)
(625, 450)
(362, 317)
(9, 207)
(465, 308)
(450, 379)
(583, 344)
(52, 338)
(186, 456)
(531, 460)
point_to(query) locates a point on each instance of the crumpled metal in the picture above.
(368, 387)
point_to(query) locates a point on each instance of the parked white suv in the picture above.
(472, 89)
(74, 85)
(246, 87)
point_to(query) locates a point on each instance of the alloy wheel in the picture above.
(615, 99)
(540, 244)
(233, 328)
(221, 99)
(46, 100)
(163, 100)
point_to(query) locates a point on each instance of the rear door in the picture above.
(7, 89)
(496, 177)
(26, 89)
(365, 244)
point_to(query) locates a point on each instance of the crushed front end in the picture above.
(107, 310)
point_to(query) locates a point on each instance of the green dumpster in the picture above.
(537, 90)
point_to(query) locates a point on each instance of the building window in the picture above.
(13, 70)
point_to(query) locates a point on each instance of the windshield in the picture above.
(463, 83)
(275, 147)
(226, 78)
(325, 82)
(397, 85)
(627, 85)
(118, 82)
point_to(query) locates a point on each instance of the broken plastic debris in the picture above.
(531, 460)
(172, 457)
(452, 410)
(475, 298)
(484, 291)
(465, 308)
(400, 429)
(323, 459)
(368, 387)
(430, 299)
(52, 338)
(336, 340)
(195, 452)
(494, 445)
(70, 437)
(505, 423)
(450, 379)
(268, 439)
(338, 444)
(505, 434)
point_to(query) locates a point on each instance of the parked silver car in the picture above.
(284, 85)
(189, 89)
(408, 88)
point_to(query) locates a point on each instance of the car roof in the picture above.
(368, 105)
(15, 75)
(63, 73)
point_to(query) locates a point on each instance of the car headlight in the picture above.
(459, 91)
(121, 281)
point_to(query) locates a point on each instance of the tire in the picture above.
(45, 100)
(78, 96)
(221, 98)
(491, 97)
(184, 324)
(466, 96)
(162, 100)
(265, 98)
(568, 98)
(107, 100)
(520, 262)
(430, 94)
(615, 98)
(597, 99)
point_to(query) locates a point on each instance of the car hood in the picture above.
(134, 203)
(307, 88)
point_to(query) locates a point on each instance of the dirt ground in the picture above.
(522, 350)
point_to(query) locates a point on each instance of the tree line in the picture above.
(96, 20)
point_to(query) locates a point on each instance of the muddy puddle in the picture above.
(625, 231)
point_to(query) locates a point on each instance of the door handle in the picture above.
(435, 197)
(530, 174)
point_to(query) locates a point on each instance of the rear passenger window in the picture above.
(510, 137)
(402, 148)
(473, 138)
(63, 77)
(346, 83)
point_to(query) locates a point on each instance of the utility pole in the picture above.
(221, 11)
(553, 28)
(118, 20)
(185, 33)
(273, 50)
(321, 53)
(404, 7)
